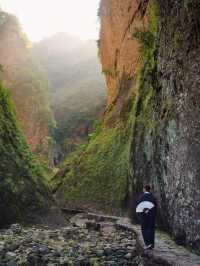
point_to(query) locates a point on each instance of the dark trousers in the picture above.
(148, 233)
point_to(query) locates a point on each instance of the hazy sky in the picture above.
(41, 18)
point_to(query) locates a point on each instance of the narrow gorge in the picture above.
(73, 160)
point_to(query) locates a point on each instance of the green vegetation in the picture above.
(146, 39)
(27, 83)
(148, 74)
(36, 116)
(22, 187)
(148, 84)
(35, 87)
(99, 174)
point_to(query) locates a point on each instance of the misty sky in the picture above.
(42, 18)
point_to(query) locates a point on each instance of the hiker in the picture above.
(146, 211)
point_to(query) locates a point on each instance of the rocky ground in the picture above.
(87, 239)
(79, 242)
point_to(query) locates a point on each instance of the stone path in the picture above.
(166, 251)
(88, 239)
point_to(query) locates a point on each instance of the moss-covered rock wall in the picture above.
(23, 189)
(166, 150)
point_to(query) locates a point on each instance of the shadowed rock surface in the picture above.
(166, 147)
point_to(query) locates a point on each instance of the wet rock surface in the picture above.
(80, 242)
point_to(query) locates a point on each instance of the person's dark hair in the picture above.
(147, 188)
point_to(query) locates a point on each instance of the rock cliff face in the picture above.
(152, 48)
(120, 53)
(23, 190)
(29, 89)
(150, 55)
